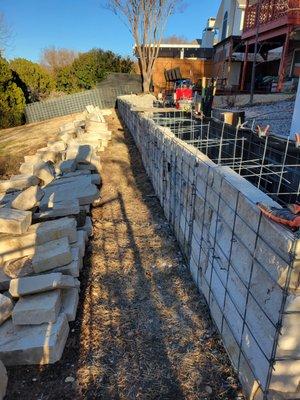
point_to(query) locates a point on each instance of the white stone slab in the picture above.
(52, 255)
(14, 247)
(18, 182)
(44, 172)
(70, 298)
(40, 283)
(6, 307)
(28, 199)
(14, 221)
(85, 193)
(88, 226)
(38, 308)
(37, 344)
(60, 209)
(72, 269)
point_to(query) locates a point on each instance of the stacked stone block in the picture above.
(44, 228)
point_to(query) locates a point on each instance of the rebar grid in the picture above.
(270, 163)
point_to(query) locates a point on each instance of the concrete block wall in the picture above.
(246, 266)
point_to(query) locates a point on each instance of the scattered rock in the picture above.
(18, 268)
(14, 221)
(28, 199)
(6, 307)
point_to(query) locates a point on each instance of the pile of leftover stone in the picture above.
(44, 227)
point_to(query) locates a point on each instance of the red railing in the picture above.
(270, 10)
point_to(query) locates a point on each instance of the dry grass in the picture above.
(142, 331)
(15, 143)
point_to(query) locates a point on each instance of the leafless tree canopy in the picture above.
(54, 59)
(5, 34)
(174, 39)
(146, 20)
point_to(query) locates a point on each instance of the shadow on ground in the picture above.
(142, 330)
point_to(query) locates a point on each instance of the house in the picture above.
(275, 25)
(191, 59)
(229, 49)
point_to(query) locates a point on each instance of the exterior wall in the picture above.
(295, 128)
(193, 69)
(246, 266)
(235, 22)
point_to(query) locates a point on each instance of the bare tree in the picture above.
(5, 34)
(54, 59)
(146, 20)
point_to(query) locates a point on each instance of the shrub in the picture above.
(39, 83)
(12, 100)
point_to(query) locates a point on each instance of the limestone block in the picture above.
(76, 256)
(285, 379)
(88, 226)
(28, 199)
(14, 247)
(18, 182)
(85, 193)
(6, 306)
(4, 281)
(51, 255)
(7, 198)
(80, 153)
(58, 146)
(70, 298)
(67, 166)
(37, 309)
(60, 209)
(81, 242)
(3, 380)
(37, 344)
(77, 173)
(27, 168)
(45, 172)
(96, 179)
(33, 159)
(72, 269)
(19, 267)
(40, 283)
(49, 155)
(14, 221)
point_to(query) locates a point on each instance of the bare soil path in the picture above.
(142, 330)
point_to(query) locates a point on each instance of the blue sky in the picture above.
(84, 24)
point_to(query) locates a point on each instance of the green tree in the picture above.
(39, 83)
(66, 80)
(12, 100)
(90, 68)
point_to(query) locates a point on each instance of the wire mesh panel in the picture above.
(74, 103)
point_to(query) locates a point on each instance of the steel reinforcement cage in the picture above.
(246, 266)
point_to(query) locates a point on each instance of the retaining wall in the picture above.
(246, 266)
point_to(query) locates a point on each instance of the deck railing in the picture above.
(270, 10)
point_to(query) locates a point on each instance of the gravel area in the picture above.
(278, 115)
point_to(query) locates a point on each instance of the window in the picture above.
(224, 28)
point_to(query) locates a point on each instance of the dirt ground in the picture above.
(32, 136)
(142, 329)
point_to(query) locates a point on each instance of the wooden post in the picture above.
(245, 64)
(283, 62)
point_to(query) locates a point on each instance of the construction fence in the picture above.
(246, 266)
(103, 97)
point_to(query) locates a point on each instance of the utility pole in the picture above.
(258, 7)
